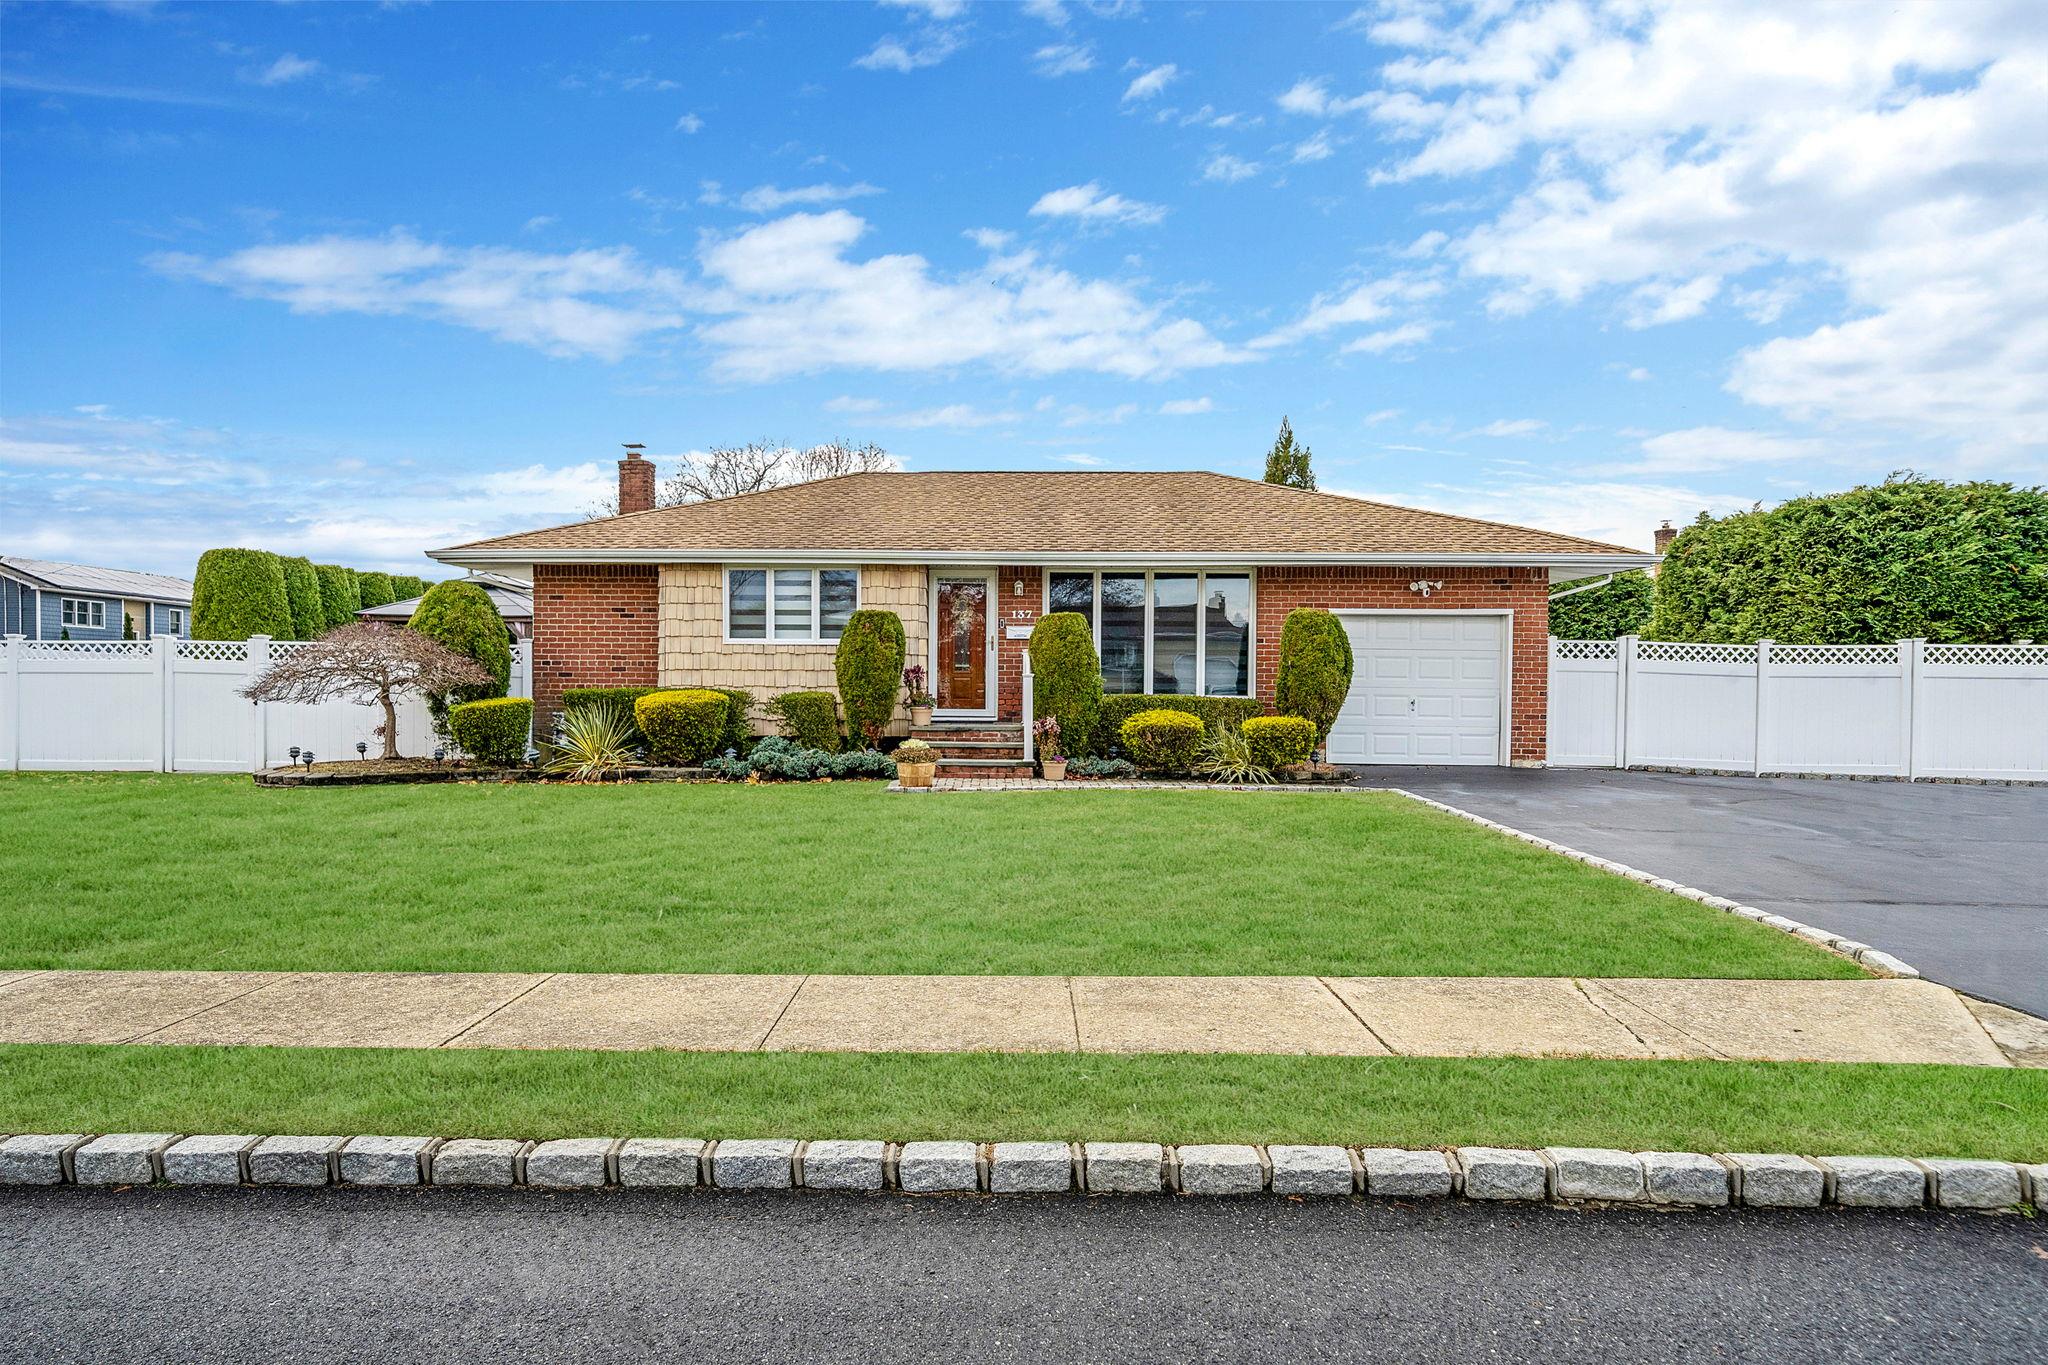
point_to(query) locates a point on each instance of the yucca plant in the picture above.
(592, 743)
(1227, 757)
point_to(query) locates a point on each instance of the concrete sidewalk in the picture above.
(1837, 1021)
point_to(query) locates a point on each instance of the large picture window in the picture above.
(800, 605)
(85, 611)
(1172, 633)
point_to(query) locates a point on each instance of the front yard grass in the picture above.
(150, 871)
(1808, 1107)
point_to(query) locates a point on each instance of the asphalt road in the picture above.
(1952, 878)
(448, 1275)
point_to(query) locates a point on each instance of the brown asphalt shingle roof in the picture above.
(1018, 514)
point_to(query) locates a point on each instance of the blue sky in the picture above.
(358, 281)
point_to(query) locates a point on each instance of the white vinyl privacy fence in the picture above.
(1909, 709)
(168, 705)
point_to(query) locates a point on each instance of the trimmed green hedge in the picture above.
(239, 593)
(407, 586)
(494, 730)
(375, 589)
(302, 596)
(738, 719)
(1067, 678)
(1213, 712)
(1315, 668)
(1603, 613)
(1162, 740)
(339, 597)
(869, 667)
(809, 718)
(683, 725)
(461, 615)
(1280, 741)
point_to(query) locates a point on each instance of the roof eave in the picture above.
(479, 556)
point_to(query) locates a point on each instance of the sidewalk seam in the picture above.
(146, 1034)
(783, 1013)
(1370, 1031)
(492, 1012)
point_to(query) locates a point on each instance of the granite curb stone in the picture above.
(1030, 1167)
(661, 1162)
(938, 1167)
(1219, 1168)
(1503, 1173)
(1689, 1178)
(842, 1164)
(1877, 1182)
(571, 1163)
(478, 1161)
(1397, 1173)
(1312, 1170)
(208, 1159)
(1971, 1184)
(37, 1158)
(753, 1163)
(1596, 1173)
(120, 1159)
(1774, 1180)
(386, 1160)
(294, 1160)
(1124, 1167)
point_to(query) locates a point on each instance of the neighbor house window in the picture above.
(1174, 633)
(177, 620)
(802, 605)
(84, 611)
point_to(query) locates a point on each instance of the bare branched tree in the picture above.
(364, 662)
(728, 471)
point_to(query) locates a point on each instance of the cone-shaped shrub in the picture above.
(239, 593)
(339, 597)
(1315, 668)
(869, 665)
(460, 615)
(1067, 678)
(302, 595)
(682, 727)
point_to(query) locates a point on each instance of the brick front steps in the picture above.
(977, 748)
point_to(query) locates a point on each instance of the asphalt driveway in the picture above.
(1954, 879)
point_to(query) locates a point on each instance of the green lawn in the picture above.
(147, 871)
(1806, 1107)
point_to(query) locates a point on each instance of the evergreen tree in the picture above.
(1287, 463)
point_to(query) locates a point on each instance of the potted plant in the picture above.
(916, 763)
(920, 700)
(1052, 760)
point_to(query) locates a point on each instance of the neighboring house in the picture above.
(45, 600)
(513, 597)
(1185, 576)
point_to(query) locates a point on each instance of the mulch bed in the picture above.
(376, 772)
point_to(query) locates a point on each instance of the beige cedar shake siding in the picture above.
(695, 652)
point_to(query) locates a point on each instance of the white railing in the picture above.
(1030, 706)
(170, 705)
(1908, 709)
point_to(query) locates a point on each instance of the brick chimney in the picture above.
(636, 481)
(1665, 533)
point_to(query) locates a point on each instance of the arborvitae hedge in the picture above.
(1315, 668)
(375, 589)
(1910, 558)
(302, 595)
(1604, 613)
(1067, 678)
(461, 616)
(869, 667)
(406, 586)
(339, 598)
(239, 593)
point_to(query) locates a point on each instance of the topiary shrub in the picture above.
(682, 726)
(240, 593)
(1067, 678)
(869, 667)
(493, 731)
(460, 615)
(302, 597)
(810, 718)
(340, 599)
(1215, 713)
(617, 701)
(1162, 741)
(1280, 741)
(1315, 668)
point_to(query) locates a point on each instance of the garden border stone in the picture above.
(208, 1159)
(1877, 1182)
(120, 1159)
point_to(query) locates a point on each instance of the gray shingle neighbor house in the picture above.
(46, 600)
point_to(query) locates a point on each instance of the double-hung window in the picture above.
(794, 605)
(177, 621)
(85, 611)
(1177, 633)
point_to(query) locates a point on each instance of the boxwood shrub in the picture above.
(1067, 678)
(239, 593)
(1280, 741)
(869, 668)
(682, 726)
(493, 731)
(1163, 741)
(1213, 712)
(810, 718)
(1315, 668)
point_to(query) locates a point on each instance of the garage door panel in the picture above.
(1427, 688)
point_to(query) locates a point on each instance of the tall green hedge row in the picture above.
(1621, 607)
(236, 584)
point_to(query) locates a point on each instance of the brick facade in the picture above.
(1526, 591)
(594, 625)
(1013, 608)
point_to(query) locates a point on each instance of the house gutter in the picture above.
(1590, 561)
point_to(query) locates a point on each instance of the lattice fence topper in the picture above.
(214, 651)
(2023, 656)
(1661, 651)
(1836, 654)
(72, 649)
(1584, 649)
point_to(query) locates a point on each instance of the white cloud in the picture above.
(1047, 11)
(1611, 511)
(1148, 84)
(1320, 147)
(1311, 96)
(1089, 204)
(286, 69)
(873, 412)
(1662, 301)
(1372, 301)
(1702, 449)
(689, 123)
(1077, 459)
(1228, 169)
(896, 54)
(770, 199)
(1389, 339)
(1186, 407)
(1064, 59)
(1639, 375)
(1518, 426)
(935, 9)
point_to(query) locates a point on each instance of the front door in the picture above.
(960, 643)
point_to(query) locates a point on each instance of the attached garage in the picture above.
(1426, 687)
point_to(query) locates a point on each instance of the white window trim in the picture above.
(1246, 572)
(64, 613)
(814, 639)
(175, 616)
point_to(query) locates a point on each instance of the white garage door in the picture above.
(1425, 688)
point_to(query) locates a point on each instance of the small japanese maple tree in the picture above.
(366, 662)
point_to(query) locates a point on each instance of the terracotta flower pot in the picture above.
(1053, 769)
(916, 774)
(920, 716)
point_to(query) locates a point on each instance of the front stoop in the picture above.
(977, 748)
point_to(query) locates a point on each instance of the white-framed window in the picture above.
(789, 605)
(1176, 632)
(177, 620)
(88, 612)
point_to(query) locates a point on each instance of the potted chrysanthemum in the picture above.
(916, 763)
